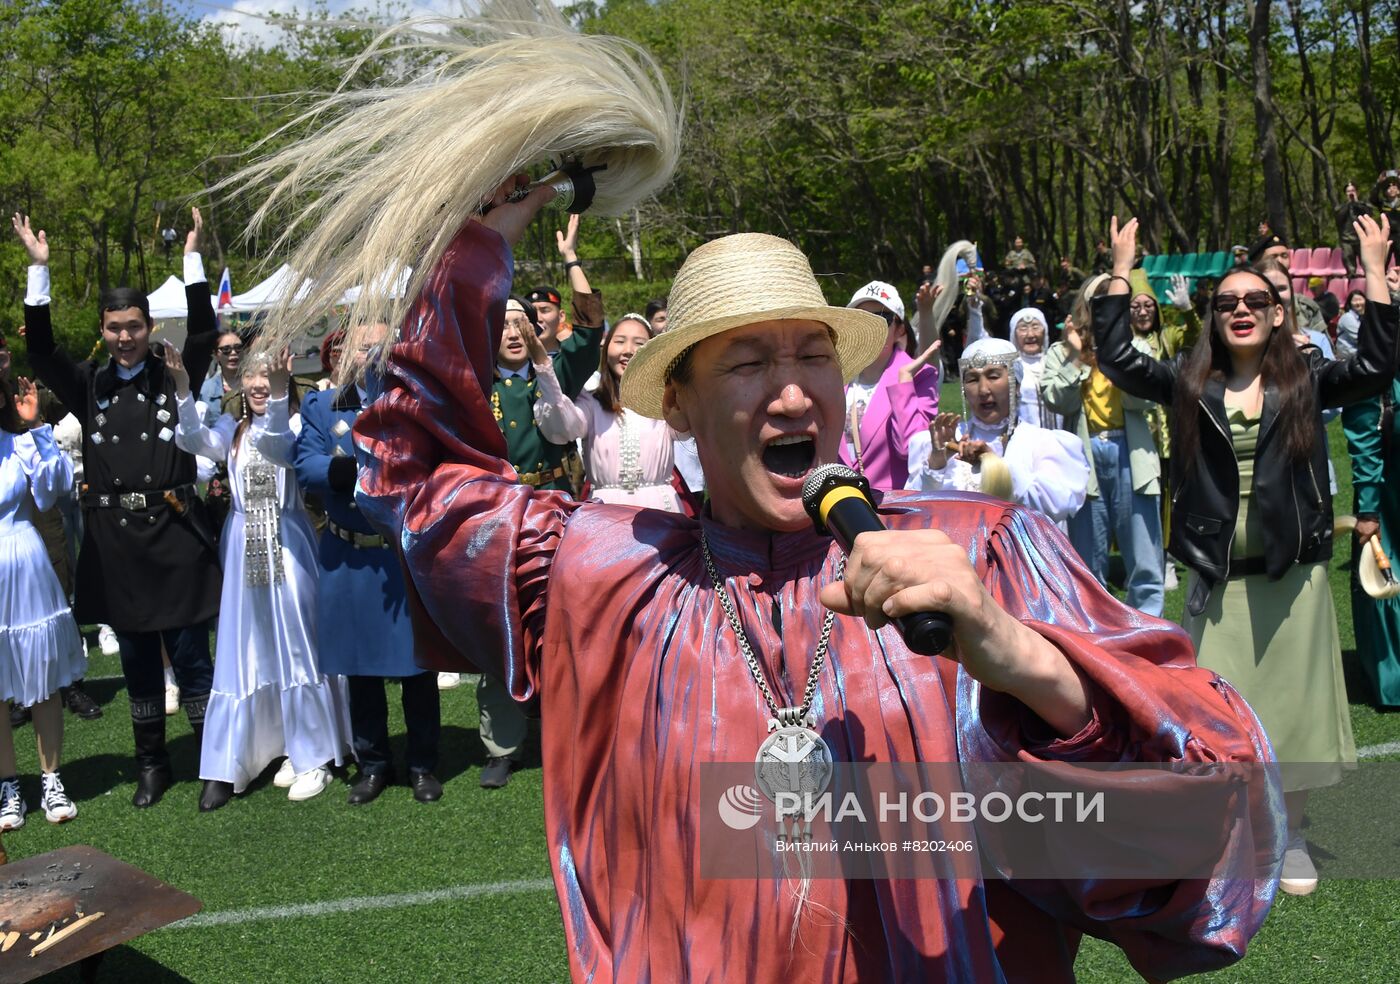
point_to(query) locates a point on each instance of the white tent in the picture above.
(395, 280)
(168, 300)
(270, 291)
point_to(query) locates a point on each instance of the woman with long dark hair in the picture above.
(1251, 514)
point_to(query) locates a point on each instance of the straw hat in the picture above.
(742, 280)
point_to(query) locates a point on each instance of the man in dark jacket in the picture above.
(148, 566)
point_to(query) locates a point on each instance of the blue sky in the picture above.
(242, 17)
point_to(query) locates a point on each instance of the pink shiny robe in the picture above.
(604, 615)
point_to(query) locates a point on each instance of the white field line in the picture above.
(234, 917)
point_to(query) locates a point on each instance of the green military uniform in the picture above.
(544, 465)
(539, 462)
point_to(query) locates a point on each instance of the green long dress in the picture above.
(1376, 482)
(1276, 641)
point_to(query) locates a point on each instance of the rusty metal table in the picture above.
(73, 879)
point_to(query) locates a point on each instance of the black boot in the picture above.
(153, 775)
(80, 702)
(216, 794)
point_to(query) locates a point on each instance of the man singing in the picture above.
(613, 620)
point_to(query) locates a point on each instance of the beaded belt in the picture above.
(363, 540)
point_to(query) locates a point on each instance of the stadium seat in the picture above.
(1324, 264)
(1356, 283)
(1300, 285)
(1338, 287)
(1301, 262)
(1219, 263)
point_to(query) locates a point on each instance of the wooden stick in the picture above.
(64, 933)
(1382, 561)
(11, 938)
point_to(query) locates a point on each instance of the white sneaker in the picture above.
(1170, 582)
(107, 641)
(286, 775)
(11, 805)
(309, 784)
(58, 808)
(449, 681)
(1299, 873)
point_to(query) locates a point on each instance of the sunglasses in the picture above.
(887, 314)
(1255, 300)
(230, 349)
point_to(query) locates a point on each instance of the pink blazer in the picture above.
(897, 412)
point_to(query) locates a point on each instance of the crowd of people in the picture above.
(220, 495)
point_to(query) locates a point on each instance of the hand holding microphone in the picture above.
(926, 583)
(838, 500)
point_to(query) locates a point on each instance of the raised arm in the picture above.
(203, 326)
(272, 433)
(1131, 370)
(51, 364)
(1369, 370)
(559, 418)
(476, 546)
(49, 470)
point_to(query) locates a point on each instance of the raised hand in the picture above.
(1178, 294)
(27, 402)
(925, 296)
(279, 373)
(1123, 241)
(37, 246)
(196, 231)
(510, 219)
(568, 242)
(175, 365)
(911, 368)
(534, 347)
(890, 574)
(1375, 241)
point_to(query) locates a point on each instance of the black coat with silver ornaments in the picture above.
(144, 565)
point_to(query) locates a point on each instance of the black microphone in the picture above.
(838, 500)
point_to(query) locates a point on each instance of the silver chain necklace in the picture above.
(794, 760)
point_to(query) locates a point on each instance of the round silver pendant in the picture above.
(793, 761)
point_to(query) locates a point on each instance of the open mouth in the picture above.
(791, 455)
(1241, 327)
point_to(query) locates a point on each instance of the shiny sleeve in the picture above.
(49, 470)
(476, 546)
(1151, 703)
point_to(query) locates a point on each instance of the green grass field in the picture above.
(471, 870)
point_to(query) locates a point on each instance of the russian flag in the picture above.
(225, 291)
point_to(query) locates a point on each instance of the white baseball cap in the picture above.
(882, 294)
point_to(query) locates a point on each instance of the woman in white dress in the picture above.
(993, 453)
(269, 699)
(628, 458)
(40, 649)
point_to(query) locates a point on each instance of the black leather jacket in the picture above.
(1292, 496)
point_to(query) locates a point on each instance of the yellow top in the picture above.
(1103, 404)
